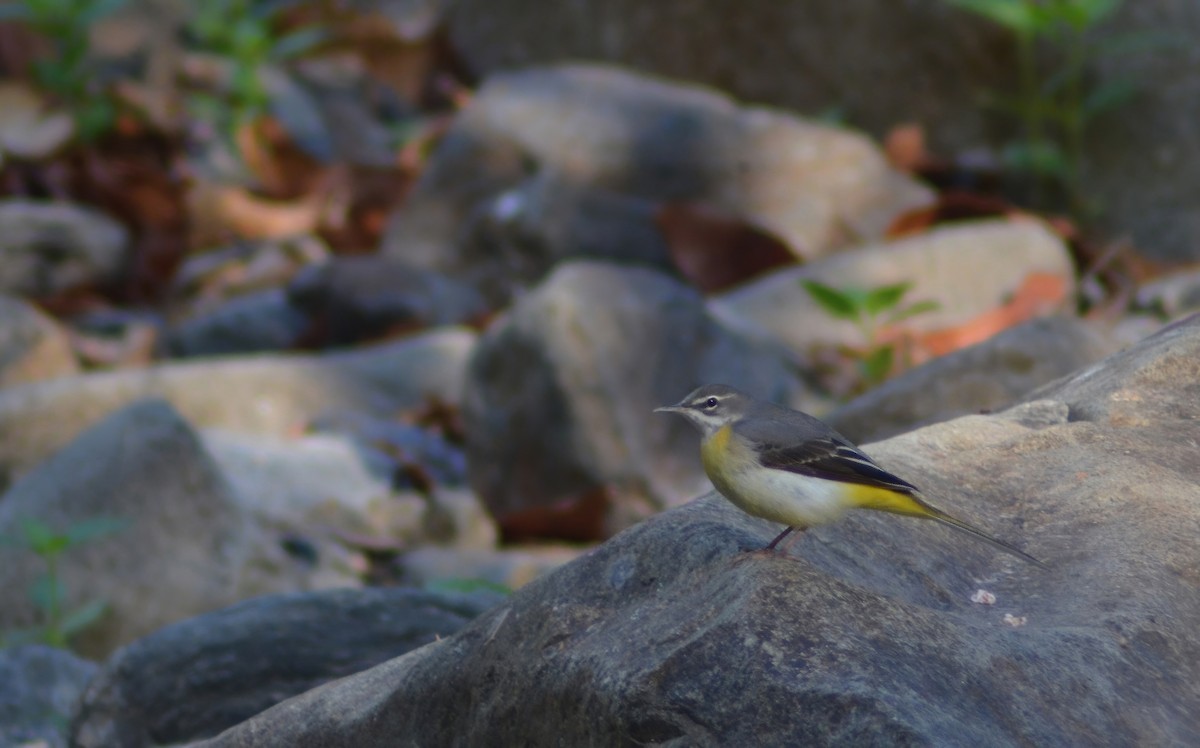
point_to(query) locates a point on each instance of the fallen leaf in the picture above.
(1038, 294)
(580, 519)
(905, 148)
(716, 250)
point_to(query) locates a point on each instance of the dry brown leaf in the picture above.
(905, 147)
(716, 250)
(221, 213)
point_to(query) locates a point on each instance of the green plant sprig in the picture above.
(47, 593)
(871, 311)
(1056, 43)
(68, 73)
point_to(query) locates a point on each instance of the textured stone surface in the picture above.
(986, 376)
(671, 633)
(558, 405)
(197, 677)
(921, 61)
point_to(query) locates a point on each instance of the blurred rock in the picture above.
(518, 236)
(561, 440)
(509, 567)
(315, 484)
(39, 686)
(418, 457)
(970, 269)
(1171, 295)
(195, 678)
(458, 519)
(357, 298)
(816, 187)
(207, 279)
(798, 56)
(983, 377)
(114, 338)
(260, 395)
(258, 322)
(47, 248)
(182, 553)
(868, 634)
(33, 347)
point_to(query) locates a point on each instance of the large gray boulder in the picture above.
(561, 438)
(184, 547)
(815, 186)
(920, 61)
(676, 633)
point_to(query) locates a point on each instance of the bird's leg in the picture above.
(786, 546)
(786, 531)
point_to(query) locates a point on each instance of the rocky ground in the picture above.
(418, 492)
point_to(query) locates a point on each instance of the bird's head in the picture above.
(710, 407)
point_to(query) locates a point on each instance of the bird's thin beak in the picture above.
(669, 409)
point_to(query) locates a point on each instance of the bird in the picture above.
(786, 466)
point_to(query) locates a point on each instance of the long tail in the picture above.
(946, 519)
(902, 498)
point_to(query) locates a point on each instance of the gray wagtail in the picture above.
(788, 467)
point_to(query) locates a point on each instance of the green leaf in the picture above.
(1084, 14)
(878, 364)
(885, 297)
(466, 585)
(90, 529)
(39, 536)
(1108, 97)
(95, 118)
(46, 593)
(81, 618)
(912, 310)
(1044, 158)
(839, 304)
(1019, 16)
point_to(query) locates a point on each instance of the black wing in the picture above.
(830, 458)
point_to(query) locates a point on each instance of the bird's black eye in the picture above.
(710, 402)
